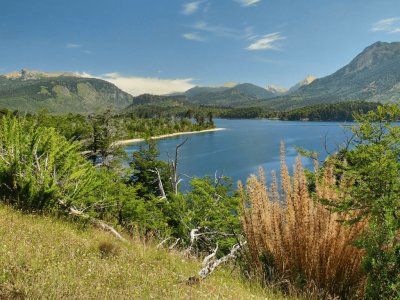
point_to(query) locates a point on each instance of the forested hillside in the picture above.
(30, 91)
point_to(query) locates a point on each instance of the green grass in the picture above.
(45, 257)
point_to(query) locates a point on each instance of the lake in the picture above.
(246, 145)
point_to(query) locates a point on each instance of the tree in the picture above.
(102, 139)
(210, 118)
(189, 114)
(211, 208)
(200, 119)
(370, 164)
(145, 167)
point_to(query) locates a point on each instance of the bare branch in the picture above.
(163, 242)
(187, 176)
(218, 178)
(213, 264)
(193, 237)
(75, 212)
(174, 167)
(160, 185)
(174, 244)
(210, 256)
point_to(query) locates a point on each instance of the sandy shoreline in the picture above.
(132, 141)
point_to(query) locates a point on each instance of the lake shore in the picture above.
(137, 140)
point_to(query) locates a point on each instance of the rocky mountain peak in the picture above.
(275, 89)
(25, 74)
(374, 55)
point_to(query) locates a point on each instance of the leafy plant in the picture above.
(371, 164)
(211, 206)
(39, 168)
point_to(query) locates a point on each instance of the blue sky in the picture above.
(162, 46)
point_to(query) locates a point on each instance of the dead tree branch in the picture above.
(193, 237)
(205, 234)
(160, 184)
(212, 264)
(218, 178)
(174, 244)
(97, 223)
(175, 178)
(210, 256)
(163, 242)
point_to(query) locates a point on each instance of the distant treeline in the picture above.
(153, 119)
(99, 131)
(341, 111)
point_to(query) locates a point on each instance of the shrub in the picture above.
(39, 168)
(293, 237)
(211, 206)
(371, 162)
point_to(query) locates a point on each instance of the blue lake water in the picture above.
(246, 145)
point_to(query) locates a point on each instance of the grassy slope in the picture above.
(45, 257)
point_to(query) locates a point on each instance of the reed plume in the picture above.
(291, 235)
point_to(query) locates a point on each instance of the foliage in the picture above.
(144, 167)
(342, 111)
(39, 168)
(210, 206)
(72, 126)
(98, 132)
(245, 113)
(41, 171)
(371, 164)
(294, 238)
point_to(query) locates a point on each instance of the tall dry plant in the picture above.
(292, 235)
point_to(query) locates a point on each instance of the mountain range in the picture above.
(373, 75)
(239, 94)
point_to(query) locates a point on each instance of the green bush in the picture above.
(372, 165)
(212, 207)
(40, 169)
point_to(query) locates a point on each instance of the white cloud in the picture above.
(216, 30)
(221, 31)
(267, 42)
(249, 33)
(141, 85)
(247, 2)
(87, 51)
(390, 25)
(269, 61)
(72, 46)
(193, 37)
(191, 7)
